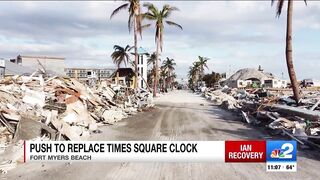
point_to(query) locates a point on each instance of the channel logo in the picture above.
(281, 151)
(277, 153)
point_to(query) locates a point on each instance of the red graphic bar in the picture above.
(245, 151)
(24, 151)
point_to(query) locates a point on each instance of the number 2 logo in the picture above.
(288, 148)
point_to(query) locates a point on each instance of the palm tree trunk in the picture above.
(170, 80)
(202, 73)
(292, 74)
(164, 83)
(135, 54)
(117, 82)
(156, 68)
(153, 73)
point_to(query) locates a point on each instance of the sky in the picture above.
(233, 34)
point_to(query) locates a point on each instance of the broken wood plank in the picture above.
(315, 105)
(295, 111)
(292, 136)
(6, 123)
(60, 107)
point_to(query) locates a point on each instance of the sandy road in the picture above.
(180, 115)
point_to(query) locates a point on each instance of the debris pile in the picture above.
(59, 108)
(220, 98)
(274, 110)
(62, 107)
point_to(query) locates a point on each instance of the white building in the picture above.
(249, 77)
(142, 68)
(8, 68)
(84, 74)
(316, 83)
(239, 83)
(275, 83)
(2, 68)
(53, 65)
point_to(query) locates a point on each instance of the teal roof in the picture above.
(142, 51)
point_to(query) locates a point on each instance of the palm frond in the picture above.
(126, 48)
(131, 47)
(151, 8)
(279, 7)
(167, 10)
(173, 8)
(144, 26)
(149, 16)
(174, 24)
(115, 47)
(121, 55)
(130, 23)
(116, 11)
(152, 58)
(147, 5)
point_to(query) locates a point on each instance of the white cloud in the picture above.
(234, 34)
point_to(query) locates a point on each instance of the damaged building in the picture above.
(124, 76)
(48, 64)
(8, 68)
(89, 74)
(250, 77)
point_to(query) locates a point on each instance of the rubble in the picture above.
(274, 110)
(60, 108)
(218, 97)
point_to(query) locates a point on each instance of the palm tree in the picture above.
(168, 65)
(172, 77)
(197, 70)
(202, 63)
(159, 16)
(292, 74)
(134, 22)
(120, 56)
(192, 74)
(152, 60)
(163, 78)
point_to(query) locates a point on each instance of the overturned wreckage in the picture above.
(59, 108)
(274, 110)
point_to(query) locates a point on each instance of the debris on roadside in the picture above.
(59, 108)
(274, 110)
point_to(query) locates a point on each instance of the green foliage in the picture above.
(167, 74)
(152, 58)
(121, 55)
(280, 5)
(159, 17)
(135, 16)
(211, 79)
(196, 71)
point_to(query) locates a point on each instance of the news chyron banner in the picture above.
(279, 156)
